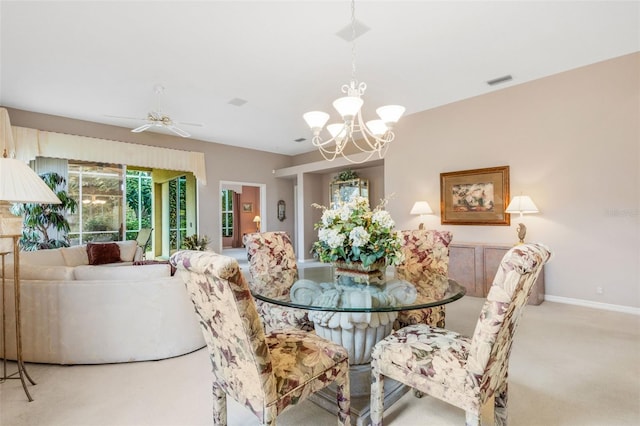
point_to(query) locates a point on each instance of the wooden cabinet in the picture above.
(474, 266)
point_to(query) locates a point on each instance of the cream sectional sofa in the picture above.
(76, 313)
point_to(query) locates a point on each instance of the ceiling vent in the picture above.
(300, 140)
(237, 101)
(500, 80)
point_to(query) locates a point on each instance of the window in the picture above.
(227, 213)
(177, 212)
(98, 190)
(139, 201)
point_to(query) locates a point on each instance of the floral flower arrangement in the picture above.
(352, 232)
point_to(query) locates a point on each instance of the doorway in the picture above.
(241, 211)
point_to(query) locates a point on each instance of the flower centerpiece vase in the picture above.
(356, 273)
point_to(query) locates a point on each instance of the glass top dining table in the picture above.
(318, 288)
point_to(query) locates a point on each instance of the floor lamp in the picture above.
(18, 184)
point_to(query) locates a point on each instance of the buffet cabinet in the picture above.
(474, 265)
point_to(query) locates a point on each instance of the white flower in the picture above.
(328, 216)
(383, 218)
(344, 212)
(359, 236)
(332, 237)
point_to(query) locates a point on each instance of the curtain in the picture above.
(237, 238)
(31, 143)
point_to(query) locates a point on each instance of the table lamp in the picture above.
(256, 220)
(521, 204)
(422, 208)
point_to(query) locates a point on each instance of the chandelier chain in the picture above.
(353, 40)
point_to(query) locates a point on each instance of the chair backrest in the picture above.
(271, 255)
(144, 237)
(231, 327)
(493, 336)
(424, 251)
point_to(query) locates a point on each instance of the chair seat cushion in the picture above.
(430, 359)
(298, 359)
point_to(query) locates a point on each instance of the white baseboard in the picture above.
(596, 305)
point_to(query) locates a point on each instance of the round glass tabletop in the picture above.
(318, 288)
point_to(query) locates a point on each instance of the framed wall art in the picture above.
(247, 207)
(475, 197)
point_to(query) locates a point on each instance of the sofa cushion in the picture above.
(100, 254)
(51, 257)
(127, 250)
(129, 273)
(74, 256)
(48, 273)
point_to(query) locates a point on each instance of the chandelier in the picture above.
(372, 137)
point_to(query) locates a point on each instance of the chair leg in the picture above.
(500, 405)
(219, 406)
(377, 396)
(343, 396)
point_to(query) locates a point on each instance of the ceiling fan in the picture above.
(157, 118)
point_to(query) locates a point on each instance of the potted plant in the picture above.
(44, 221)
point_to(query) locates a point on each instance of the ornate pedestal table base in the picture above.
(357, 330)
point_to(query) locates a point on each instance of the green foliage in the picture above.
(41, 219)
(346, 175)
(193, 242)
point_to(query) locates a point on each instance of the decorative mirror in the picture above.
(281, 212)
(345, 190)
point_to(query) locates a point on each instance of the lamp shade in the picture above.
(256, 219)
(20, 184)
(522, 204)
(421, 207)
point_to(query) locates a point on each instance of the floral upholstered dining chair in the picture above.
(273, 270)
(425, 252)
(464, 372)
(264, 372)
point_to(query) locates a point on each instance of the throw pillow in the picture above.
(102, 253)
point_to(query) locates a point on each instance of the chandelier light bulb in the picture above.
(348, 106)
(390, 114)
(316, 120)
(377, 127)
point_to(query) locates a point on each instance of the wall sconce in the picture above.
(522, 204)
(256, 220)
(422, 208)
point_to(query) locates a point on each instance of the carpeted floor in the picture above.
(570, 366)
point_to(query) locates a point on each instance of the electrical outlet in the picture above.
(599, 290)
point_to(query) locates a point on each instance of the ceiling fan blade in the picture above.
(125, 118)
(178, 131)
(189, 124)
(141, 128)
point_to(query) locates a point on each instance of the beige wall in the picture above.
(572, 142)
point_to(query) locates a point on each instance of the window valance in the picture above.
(31, 143)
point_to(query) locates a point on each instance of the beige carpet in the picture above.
(569, 366)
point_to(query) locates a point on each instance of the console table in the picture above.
(474, 265)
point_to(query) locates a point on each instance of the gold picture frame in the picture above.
(247, 207)
(475, 197)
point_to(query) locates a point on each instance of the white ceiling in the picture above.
(89, 59)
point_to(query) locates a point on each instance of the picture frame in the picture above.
(247, 207)
(475, 197)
